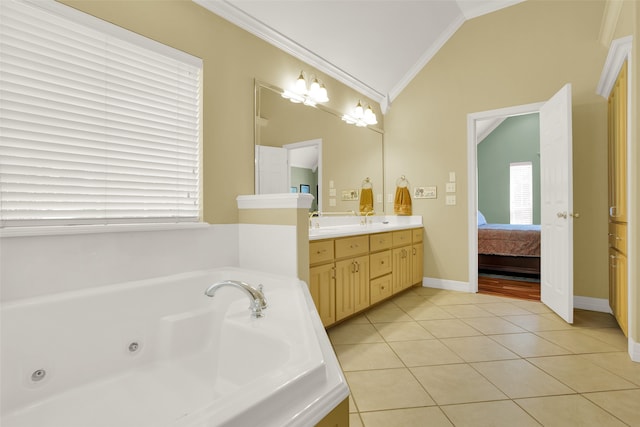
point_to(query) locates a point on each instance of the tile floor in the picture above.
(430, 357)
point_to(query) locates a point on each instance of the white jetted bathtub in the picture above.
(160, 353)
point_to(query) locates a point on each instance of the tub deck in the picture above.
(198, 361)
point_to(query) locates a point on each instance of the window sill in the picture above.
(97, 229)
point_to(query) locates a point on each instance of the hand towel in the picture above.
(402, 202)
(366, 200)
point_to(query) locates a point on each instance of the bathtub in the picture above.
(161, 353)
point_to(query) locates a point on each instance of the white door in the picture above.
(272, 170)
(556, 269)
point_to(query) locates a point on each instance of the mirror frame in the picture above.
(258, 84)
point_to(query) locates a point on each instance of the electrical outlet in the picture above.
(451, 200)
(452, 177)
(332, 202)
(332, 192)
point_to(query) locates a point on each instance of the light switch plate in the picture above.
(332, 202)
(452, 177)
(378, 198)
(332, 192)
(450, 200)
(450, 187)
(390, 198)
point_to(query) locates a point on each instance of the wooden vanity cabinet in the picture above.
(348, 274)
(417, 256)
(401, 255)
(322, 283)
(381, 286)
(352, 275)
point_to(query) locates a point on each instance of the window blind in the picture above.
(521, 193)
(94, 129)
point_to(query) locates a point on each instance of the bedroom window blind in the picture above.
(521, 193)
(97, 125)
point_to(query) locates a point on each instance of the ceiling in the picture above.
(374, 46)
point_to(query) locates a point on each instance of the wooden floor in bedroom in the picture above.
(509, 287)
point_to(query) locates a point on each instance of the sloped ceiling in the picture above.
(374, 46)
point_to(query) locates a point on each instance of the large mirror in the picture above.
(310, 149)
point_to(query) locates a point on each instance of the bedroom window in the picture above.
(521, 193)
(99, 125)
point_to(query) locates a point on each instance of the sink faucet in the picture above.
(256, 296)
(366, 216)
(311, 215)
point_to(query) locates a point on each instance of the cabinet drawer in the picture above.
(352, 246)
(380, 288)
(380, 241)
(401, 238)
(380, 263)
(416, 235)
(618, 237)
(320, 251)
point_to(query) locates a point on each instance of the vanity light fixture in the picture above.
(360, 116)
(316, 93)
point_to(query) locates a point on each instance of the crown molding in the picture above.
(238, 17)
(619, 51)
(610, 17)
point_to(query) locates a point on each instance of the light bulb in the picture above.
(301, 84)
(370, 116)
(358, 112)
(314, 90)
(323, 96)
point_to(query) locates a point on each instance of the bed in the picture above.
(508, 248)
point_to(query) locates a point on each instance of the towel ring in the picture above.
(367, 183)
(402, 182)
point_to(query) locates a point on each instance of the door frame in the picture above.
(472, 176)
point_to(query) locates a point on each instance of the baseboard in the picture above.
(592, 304)
(634, 350)
(449, 285)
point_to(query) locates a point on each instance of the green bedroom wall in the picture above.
(305, 176)
(517, 139)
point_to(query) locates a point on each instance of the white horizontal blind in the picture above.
(521, 193)
(93, 129)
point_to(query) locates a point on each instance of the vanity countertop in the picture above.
(377, 225)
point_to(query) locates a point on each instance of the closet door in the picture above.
(617, 149)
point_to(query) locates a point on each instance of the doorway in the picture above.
(556, 257)
(508, 194)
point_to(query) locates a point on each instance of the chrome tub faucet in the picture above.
(256, 297)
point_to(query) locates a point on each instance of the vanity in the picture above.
(353, 267)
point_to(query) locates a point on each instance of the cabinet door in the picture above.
(618, 298)
(380, 264)
(417, 267)
(345, 303)
(361, 283)
(381, 288)
(323, 291)
(617, 130)
(401, 268)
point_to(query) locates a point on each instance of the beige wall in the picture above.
(519, 55)
(232, 58)
(516, 56)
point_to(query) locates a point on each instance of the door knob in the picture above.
(562, 215)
